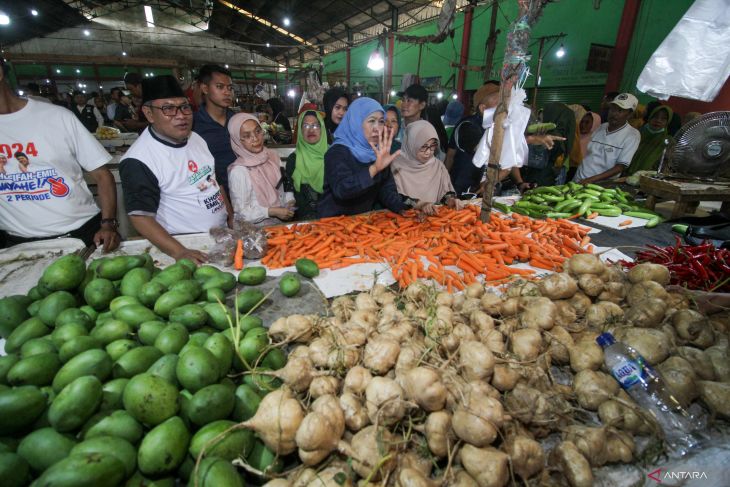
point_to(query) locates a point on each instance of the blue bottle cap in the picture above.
(605, 339)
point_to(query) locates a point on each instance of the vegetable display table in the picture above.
(686, 194)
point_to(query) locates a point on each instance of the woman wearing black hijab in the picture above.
(278, 116)
(335, 102)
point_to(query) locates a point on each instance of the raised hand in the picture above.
(383, 157)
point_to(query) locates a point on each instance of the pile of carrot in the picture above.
(424, 248)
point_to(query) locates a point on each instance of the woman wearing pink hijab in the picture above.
(255, 179)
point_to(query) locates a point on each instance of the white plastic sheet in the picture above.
(514, 146)
(694, 60)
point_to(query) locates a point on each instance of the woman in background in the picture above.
(335, 103)
(654, 135)
(394, 122)
(305, 166)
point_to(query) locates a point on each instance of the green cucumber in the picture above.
(608, 211)
(603, 206)
(584, 208)
(653, 222)
(592, 192)
(680, 228)
(553, 198)
(595, 187)
(639, 214)
(502, 207)
(540, 127)
(554, 214)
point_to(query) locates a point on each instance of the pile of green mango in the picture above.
(122, 373)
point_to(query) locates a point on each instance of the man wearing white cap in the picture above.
(613, 144)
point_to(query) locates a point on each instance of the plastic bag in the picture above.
(253, 238)
(694, 60)
(514, 145)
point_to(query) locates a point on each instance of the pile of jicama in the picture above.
(428, 388)
(425, 248)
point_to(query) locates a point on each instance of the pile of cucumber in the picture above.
(572, 199)
(121, 373)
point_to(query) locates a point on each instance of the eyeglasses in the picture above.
(171, 110)
(311, 126)
(429, 148)
(252, 135)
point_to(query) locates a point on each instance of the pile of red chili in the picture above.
(692, 266)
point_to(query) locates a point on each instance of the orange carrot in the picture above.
(238, 256)
(625, 223)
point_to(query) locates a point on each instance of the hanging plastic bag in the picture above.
(514, 145)
(694, 60)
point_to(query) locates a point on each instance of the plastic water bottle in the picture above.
(646, 386)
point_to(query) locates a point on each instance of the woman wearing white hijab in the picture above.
(418, 173)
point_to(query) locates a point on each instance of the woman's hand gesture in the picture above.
(383, 157)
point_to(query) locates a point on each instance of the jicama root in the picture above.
(647, 314)
(526, 454)
(439, 435)
(384, 401)
(559, 344)
(590, 442)
(584, 264)
(701, 362)
(526, 344)
(566, 315)
(294, 328)
(573, 464)
(298, 373)
(324, 385)
(619, 415)
(505, 377)
(277, 483)
(593, 388)
(423, 385)
(542, 411)
(365, 302)
(476, 361)
(539, 313)
(652, 344)
(477, 419)
(590, 284)
(720, 360)
(357, 380)
(644, 290)
(680, 378)
(603, 314)
(558, 286)
(342, 307)
(619, 447)
(321, 430)
(491, 303)
(409, 477)
(586, 354)
(693, 328)
(381, 354)
(276, 421)
(648, 271)
(489, 467)
(372, 452)
(493, 339)
(717, 396)
(580, 303)
(461, 478)
(356, 417)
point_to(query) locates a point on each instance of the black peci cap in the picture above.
(157, 87)
(416, 92)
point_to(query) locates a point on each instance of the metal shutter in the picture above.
(582, 95)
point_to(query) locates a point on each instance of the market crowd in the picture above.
(198, 164)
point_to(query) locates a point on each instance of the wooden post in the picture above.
(537, 75)
(495, 151)
(491, 41)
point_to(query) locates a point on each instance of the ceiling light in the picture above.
(34, 12)
(375, 62)
(86, 32)
(58, 71)
(83, 91)
(392, 92)
(291, 93)
(20, 92)
(4, 19)
(454, 96)
(226, 66)
(282, 68)
(124, 53)
(439, 95)
(78, 70)
(251, 59)
(359, 94)
(560, 52)
(148, 16)
(48, 81)
(268, 45)
(274, 86)
(287, 21)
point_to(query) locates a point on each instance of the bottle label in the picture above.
(629, 372)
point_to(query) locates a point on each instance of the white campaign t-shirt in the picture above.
(606, 149)
(44, 150)
(175, 183)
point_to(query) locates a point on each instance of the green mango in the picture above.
(75, 404)
(164, 448)
(172, 338)
(76, 345)
(172, 274)
(197, 368)
(247, 403)
(135, 361)
(34, 346)
(210, 403)
(66, 332)
(135, 314)
(275, 359)
(44, 447)
(74, 315)
(65, 273)
(111, 330)
(14, 470)
(117, 447)
(236, 443)
(84, 470)
(53, 304)
(30, 328)
(6, 363)
(262, 383)
(122, 301)
(102, 318)
(205, 272)
(34, 307)
(133, 280)
(222, 348)
(170, 301)
(111, 397)
(99, 293)
(219, 315)
(215, 295)
(165, 367)
(12, 313)
(91, 362)
(115, 268)
(139, 480)
(263, 459)
(193, 316)
(225, 281)
(36, 370)
(149, 330)
(252, 275)
(217, 472)
(119, 424)
(90, 312)
(188, 263)
(117, 348)
(249, 322)
(150, 292)
(251, 348)
(189, 286)
(249, 298)
(20, 407)
(150, 399)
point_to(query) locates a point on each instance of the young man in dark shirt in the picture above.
(211, 120)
